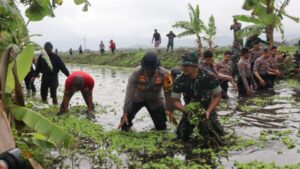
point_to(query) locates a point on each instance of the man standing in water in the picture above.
(224, 67)
(246, 83)
(49, 64)
(78, 81)
(144, 89)
(156, 38)
(198, 86)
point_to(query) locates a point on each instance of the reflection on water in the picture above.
(282, 112)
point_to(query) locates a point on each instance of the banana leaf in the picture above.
(7, 141)
(39, 123)
(78, 2)
(24, 61)
(38, 10)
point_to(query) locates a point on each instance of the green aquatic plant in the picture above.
(168, 162)
(247, 109)
(257, 164)
(289, 142)
(258, 101)
(291, 83)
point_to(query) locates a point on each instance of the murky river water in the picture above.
(282, 113)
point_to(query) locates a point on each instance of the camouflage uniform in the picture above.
(198, 90)
(261, 66)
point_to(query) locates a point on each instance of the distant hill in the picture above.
(293, 41)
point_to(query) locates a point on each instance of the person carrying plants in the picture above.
(144, 89)
(197, 86)
(78, 81)
(49, 64)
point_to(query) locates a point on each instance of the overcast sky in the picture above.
(131, 22)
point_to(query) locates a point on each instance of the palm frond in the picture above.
(186, 33)
(250, 31)
(248, 18)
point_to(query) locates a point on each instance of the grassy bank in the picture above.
(132, 58)
(127, 58)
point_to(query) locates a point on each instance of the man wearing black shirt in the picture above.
(171, 37)
(156, 38)
(49, 64)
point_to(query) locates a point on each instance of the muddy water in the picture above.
(280, 113)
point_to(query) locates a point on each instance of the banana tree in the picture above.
(210, 32)
(267, 16)
(193, 27)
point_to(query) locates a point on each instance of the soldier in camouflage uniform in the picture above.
(198, 86)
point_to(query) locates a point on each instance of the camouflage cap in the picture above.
(190, 58)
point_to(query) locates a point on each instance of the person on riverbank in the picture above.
(71, 51)
(144, 89)
(197, 86)
(80, 49)
(246, 83)
(112, 46)
(78, 81)
(102, 47)
(236, 26)
(156, 39)
(49, 64)
(171, 37)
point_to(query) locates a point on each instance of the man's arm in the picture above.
(88, 97)
(130, 90)
(256, 74)
(66, 101)
(214, 102)
(63, 67)
(38, 67)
